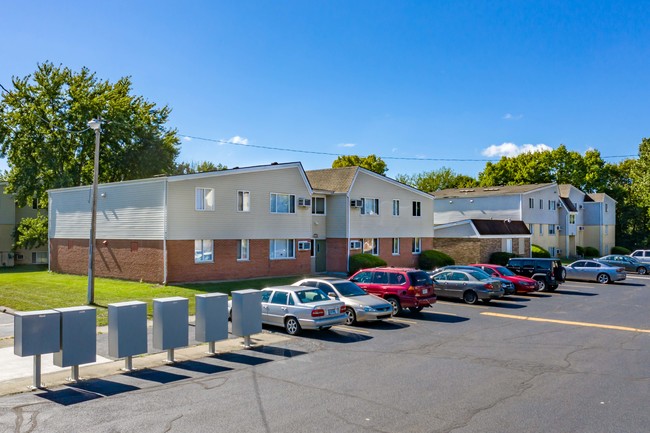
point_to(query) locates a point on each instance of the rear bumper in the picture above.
(495, 294)
(320, 323)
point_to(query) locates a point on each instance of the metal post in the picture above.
(74, 373)
(128, 363)
(247, 342)
(170, 356)
(211, 350)
(37, 372)
(96, 125)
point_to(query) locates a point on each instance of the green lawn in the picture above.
(28, 288)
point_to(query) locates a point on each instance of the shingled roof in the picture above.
(489, 191)
(332, 179)
(500, 227)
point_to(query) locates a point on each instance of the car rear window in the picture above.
(420, 278)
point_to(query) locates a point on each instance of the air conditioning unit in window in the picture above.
(355, 245)
(558, 252)
(557, 227)
(304, 245)
(356, 203)
(559, 205)
(304, 202)
(581, 227)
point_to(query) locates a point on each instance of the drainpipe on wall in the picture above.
(165, 234)
(49, 219)
(347, 222)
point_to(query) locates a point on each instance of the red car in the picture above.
(522, 284)
(402, 287)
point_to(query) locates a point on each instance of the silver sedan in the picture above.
(591, 270)
(360, 305)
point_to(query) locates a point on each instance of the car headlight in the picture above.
(367, 308)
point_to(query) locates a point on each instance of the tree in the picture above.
(193, 167)
(370, 162)
(431, 181)
(44, 134)
(31, 232)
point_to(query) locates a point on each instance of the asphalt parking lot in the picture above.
(576, 360)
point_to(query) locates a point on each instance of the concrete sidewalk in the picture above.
(16, 373)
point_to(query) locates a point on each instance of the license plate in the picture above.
(331, 311)
(425, 291)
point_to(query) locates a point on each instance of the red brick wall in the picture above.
(337, 255)
(181, 268)
(127, 259)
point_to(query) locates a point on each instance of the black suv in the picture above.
(548, 272)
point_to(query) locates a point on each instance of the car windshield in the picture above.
(505, 271)
(311, 295)
(479, 275)
(420, 278)
(349, 289)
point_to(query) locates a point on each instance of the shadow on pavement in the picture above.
(384, 325)
(156, 376)
(439, 318)
(241, 358)
(337, 336)
(513, 298)
(278, 351)
(540, 295)
(85, 391)
(572, 293)
(201, 367)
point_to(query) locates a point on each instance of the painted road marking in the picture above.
(410, 322)
(566, 322)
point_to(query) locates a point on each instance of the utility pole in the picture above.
(95, 124)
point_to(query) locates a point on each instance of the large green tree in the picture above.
(431, 181)
(194, 167)
(44, 134)
(370, 162)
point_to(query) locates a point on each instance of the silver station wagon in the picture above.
(297, 308)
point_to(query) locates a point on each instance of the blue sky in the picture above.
(468, 80)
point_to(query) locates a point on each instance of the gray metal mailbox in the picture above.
(211, 322)
(78, 337)
(170, 324)
(246, 312)
(127, 330)
(37, 332)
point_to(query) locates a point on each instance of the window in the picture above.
(416, 246)
(371, 246)
(304, 245)
(282, 249)
(318, 205)
(266, 295)
(541, 229)
(204, 199)
(283, 203)
(370, 206)
(551, 229)
(203, 251)
(572, 219)
(606, 207)
(243, 201)
(531, 228)
(417, 209)
(395, 207)
(551, 205)
(355, 245)
(39, 258)
(531, 203)
(396, 246)
(243, 249)
(541, 204)
(280, 298)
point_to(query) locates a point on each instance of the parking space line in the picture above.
(410, 322)
(566, 322)
(349, 329)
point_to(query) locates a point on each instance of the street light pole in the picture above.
(95, 124)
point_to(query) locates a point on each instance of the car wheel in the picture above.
(292, 326)
(397, 308)
(415, 309)
(470, 297)
(542, 285)
(351, 316)
(642, 270)
(603, 278)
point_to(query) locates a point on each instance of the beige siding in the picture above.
(337, 208)
(385, 225)
(225, 222)
(132, 210)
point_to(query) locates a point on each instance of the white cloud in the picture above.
(187, 138)
(511, 149)
(347, 145)
(238, 140)
(510, 116)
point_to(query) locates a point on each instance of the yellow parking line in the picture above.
(410, 322)
(566, 322)
(349, 329)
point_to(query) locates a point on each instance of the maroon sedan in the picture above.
(522, 284)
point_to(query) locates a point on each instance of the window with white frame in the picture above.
(371, 246)
(370, 206)
(551, 205)
(541, 204)
(243, 201)
(551, 229)
(416, 246)
(243, 249)
(204, 199)
(283, 203)
(417, 209)
(396, 246)
(318, 205)
(39, 258)
(203, 251)
(282, 249)
(531, 203)
(531, 228)
(395, 207)
(572, 219)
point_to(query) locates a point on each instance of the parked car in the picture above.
(629, 263)
(360, 306)
(641, 255)
(402, 287)
(522, 284)
(298, 308)
(468, 285)
(591, 270)
(548, 273)
(507, 286)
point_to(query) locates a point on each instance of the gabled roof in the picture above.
(571, 207)
(490, 191)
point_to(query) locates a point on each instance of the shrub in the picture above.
(432, 259)
(540, 252)
(620, 250)
(501, 258)
(362, 261)
(580, 251)
(591, 252)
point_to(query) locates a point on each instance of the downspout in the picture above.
(601, 217)
(347, 222)
(49, 219)
(165, 234)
